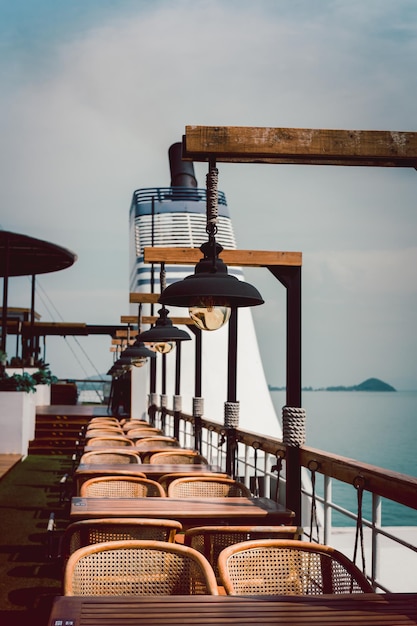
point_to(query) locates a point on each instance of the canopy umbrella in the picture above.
(21, 255)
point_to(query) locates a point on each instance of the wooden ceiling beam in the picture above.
(143, 298)
(151, 319)
(191, 256)
(305, 146)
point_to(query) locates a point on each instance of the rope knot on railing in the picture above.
(198, 407)
(231, 414)
(177, 403)
(164, 401)
(153, 399)
(293, 426)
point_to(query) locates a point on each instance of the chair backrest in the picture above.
(121, 487)
(109, 442)
(135, 424)
(104, 420)
(211, 540)
(178, 457)
(104, 424)
(142, 433)
(87, 532)
(146, 568)
(281, 567)
(156, 441)
(103, 432)
(207, 487)
(120, 456)
(167, 479)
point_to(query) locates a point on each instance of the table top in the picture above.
(189, 511)
(334, 610)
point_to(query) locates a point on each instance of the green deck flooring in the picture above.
(29, 578)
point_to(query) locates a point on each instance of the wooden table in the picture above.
(344, 610)
(189, 511)
(89, 470)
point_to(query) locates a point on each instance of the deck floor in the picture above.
(7, 461)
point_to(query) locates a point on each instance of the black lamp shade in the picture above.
(138, 350)
(163, 331)
(211, 285)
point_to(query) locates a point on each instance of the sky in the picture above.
(93, 93)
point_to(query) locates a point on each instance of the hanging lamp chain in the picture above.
(163, 277)
(212, 199)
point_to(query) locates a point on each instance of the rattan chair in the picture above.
(104, 418)
(103, 432)
(139, 568)
(159, 441)
(87, 532)
(167, 479)
(135, 424)
(108, 441)
(121, 487)
(211, 540)
(122, 456)
(207, 487)
(282, 567)
(178, 457)
(142, 433)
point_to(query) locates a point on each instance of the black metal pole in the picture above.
(197, 385)
(32, 322)
(5, 293)
(177, 387)
(290, 277)
(232, 391)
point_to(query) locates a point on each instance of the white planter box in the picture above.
(17, 421)
(42, 395)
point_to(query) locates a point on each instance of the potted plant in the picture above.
(17, 412)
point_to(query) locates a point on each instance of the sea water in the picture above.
(379, 428)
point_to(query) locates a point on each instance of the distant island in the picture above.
(371, 384)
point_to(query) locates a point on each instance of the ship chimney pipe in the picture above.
(182, 172)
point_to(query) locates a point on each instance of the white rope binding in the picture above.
(164, 401)
(153, 399)
(198, 407)
(293, 426)
(177, 403)
(231, 414)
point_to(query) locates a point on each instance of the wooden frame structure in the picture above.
(304, 146)
(234, 144)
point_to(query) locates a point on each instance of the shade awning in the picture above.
(21, 255)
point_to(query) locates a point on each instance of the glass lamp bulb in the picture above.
(209, 317)
(139, 361)
(164, 347)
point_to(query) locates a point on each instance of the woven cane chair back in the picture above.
(211, 540)
(103, 432)
(207, 487)
(281, 567)
(141, 433)
(178, 457)
(109, 442)
(135, 424)
(111, 421)
(146, 568)
(159, 441)
(121, 487)
(167, 479)
(87, 532)
(110, 456)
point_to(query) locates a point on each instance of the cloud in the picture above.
(88, 117)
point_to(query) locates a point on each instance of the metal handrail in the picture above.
(381, 483)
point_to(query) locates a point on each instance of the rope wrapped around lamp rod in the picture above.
(231, 414)
(293, 426)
